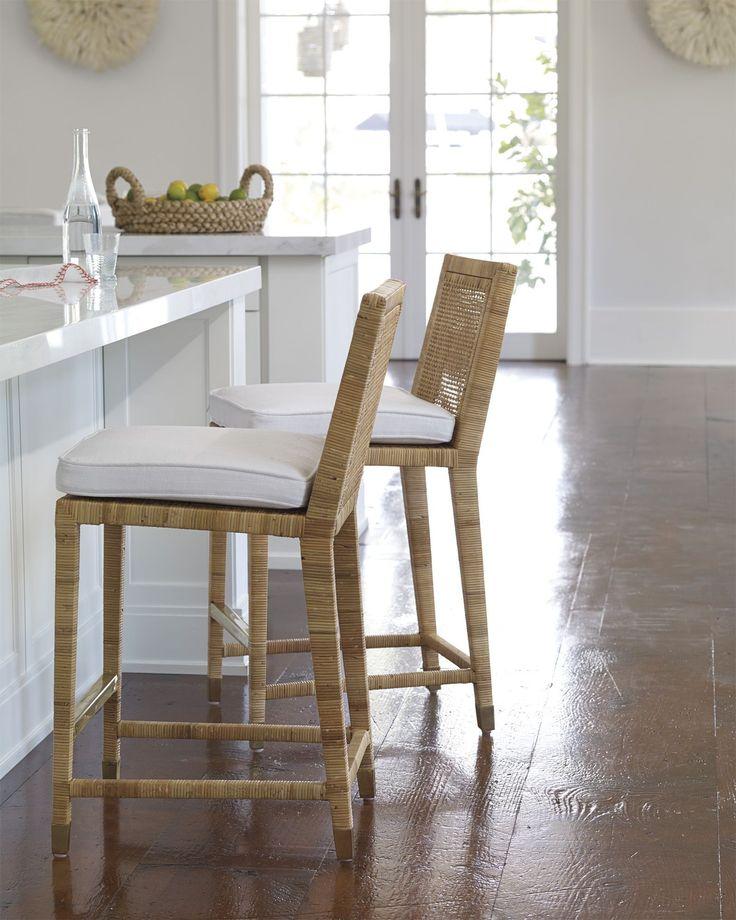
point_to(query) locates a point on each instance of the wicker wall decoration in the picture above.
(701, 31)
(97, 35)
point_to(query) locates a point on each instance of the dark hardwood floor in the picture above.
(608, 789)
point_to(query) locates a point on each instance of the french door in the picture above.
(432, 121)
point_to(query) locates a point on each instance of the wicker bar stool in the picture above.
(440, 423)
(230, 481)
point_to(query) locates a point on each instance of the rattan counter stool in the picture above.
(259, 483)
(439, 424)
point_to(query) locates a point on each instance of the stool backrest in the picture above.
(340, 470)
(462, 345)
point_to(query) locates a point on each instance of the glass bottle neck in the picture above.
(81, 163)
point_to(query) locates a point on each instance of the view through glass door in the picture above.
(435, 124)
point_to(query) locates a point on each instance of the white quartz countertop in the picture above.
(40, 326)
(47, 242)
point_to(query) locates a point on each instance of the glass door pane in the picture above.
(491, 108)
(325, 80)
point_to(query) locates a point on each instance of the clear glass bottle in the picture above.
(82, 211)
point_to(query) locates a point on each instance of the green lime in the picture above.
(129, 196)
(195, 187)
(191, 195)
(237, 194)
(177, 191)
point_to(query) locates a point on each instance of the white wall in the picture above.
(662, 209)
(158, 114)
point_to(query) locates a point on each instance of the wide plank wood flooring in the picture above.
(608, 789)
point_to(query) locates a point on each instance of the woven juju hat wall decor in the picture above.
(701, 31)
(98, 34)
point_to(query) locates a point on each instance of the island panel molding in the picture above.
(701, 31)
(91, 34)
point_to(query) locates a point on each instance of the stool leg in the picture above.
(65, 676)
(319, 587)
(414, 487)
(464, 488)
(114, 573)
(215, 650)
(257, 629)
(350, 613)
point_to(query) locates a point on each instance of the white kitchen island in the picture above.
(146, 351)
(299, 323)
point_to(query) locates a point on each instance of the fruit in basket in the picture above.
(238, 194)
(177, 190)
(151, 200)
(191, 195)
(129, 196)
(209, 192)
(195, 187)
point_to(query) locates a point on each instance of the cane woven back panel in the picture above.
(463, 342)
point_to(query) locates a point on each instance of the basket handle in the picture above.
(257, 170)
(121, 172)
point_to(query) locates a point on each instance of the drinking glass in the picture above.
(101, 250)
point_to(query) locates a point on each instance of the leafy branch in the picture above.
(533, 207)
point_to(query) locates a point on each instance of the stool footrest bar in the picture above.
(393, 640)
(93, 700)
(290, 646)
(220, 731)
(298, 790)
(448, 650)
(421, 678)
(380, 682)
(293, 688)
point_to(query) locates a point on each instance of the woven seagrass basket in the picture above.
(145, 216)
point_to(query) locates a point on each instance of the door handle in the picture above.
(418, 195)
(396, 195)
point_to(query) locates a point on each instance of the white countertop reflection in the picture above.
(40, 326)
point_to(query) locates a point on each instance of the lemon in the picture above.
(237, 194)
(151, 200)
(177, 190)
(209, 192)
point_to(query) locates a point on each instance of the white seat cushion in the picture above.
(307, 407)
(264, 469)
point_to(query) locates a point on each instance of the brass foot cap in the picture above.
(367, 784)
(486, 718)
(343, 843)
(110, 769)
(215, 689)
(60, 834)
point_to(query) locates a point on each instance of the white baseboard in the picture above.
(179, 636)
(661, 335)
